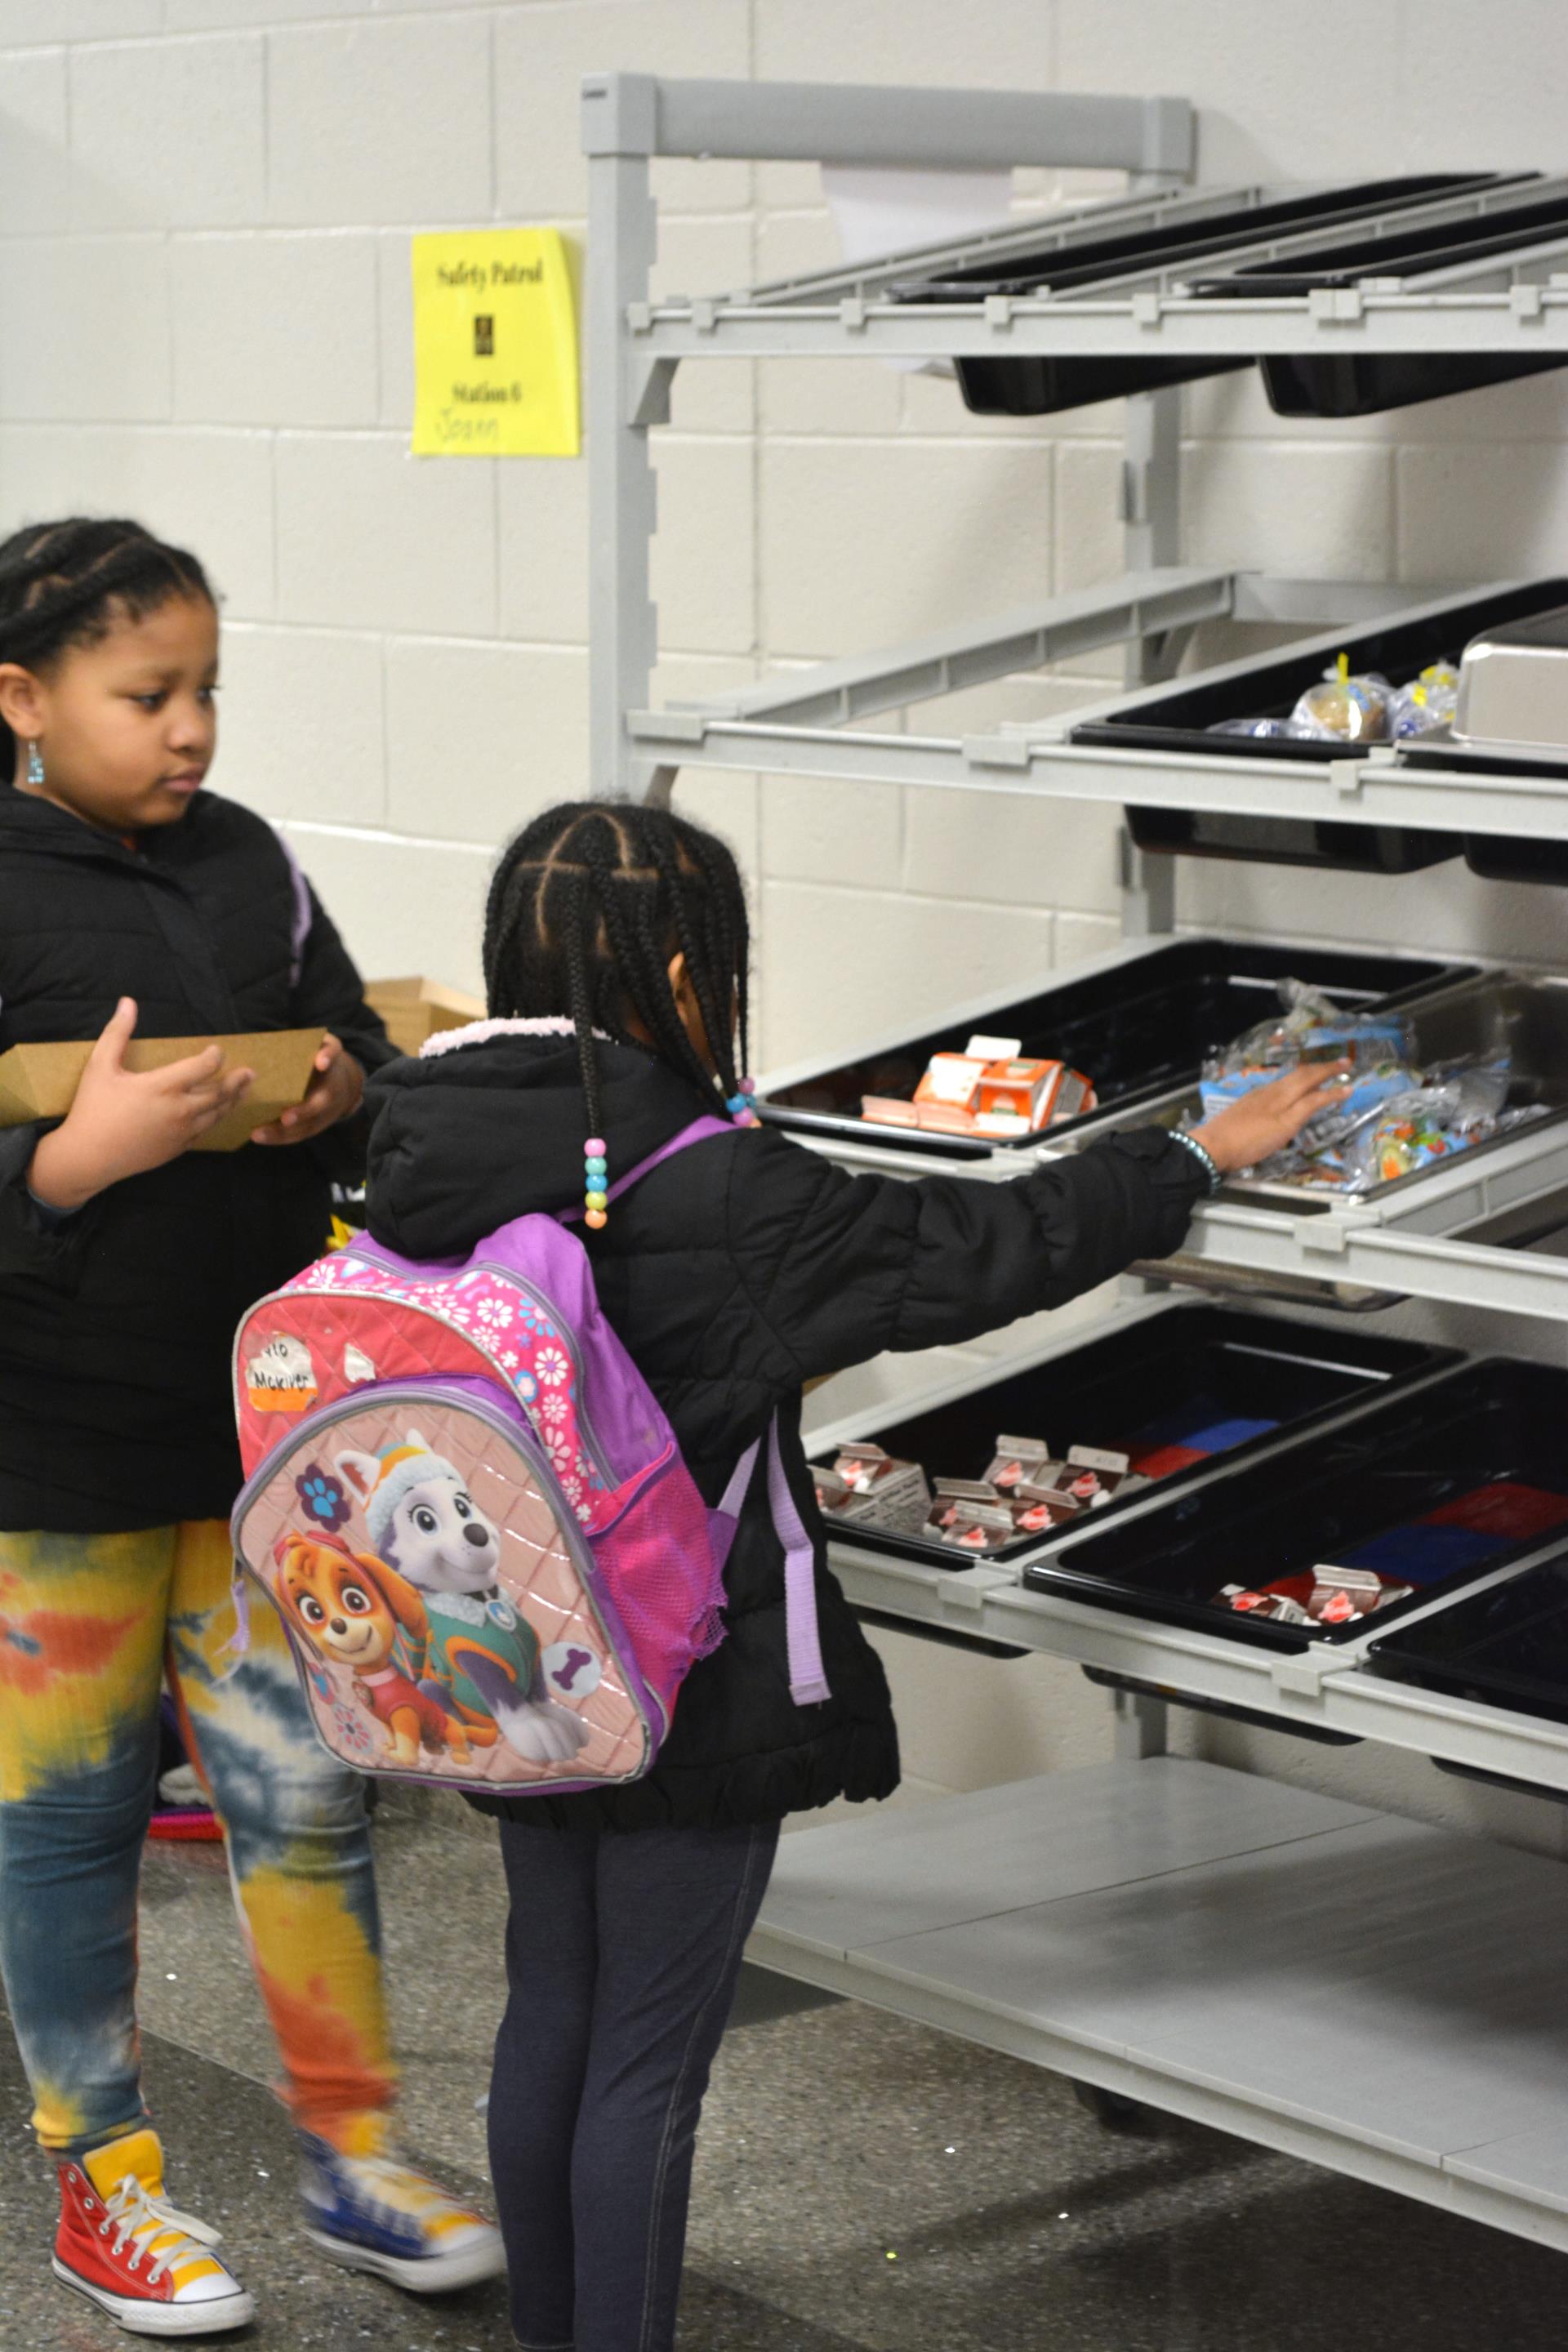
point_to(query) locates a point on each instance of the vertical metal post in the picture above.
(1142, 1727)
(1151, 534)
(623, 624)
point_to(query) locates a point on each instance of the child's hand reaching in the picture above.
(1272, 1116)
(124, 1122)
(335, 1093)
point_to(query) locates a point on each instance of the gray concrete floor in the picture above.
(836, 2139)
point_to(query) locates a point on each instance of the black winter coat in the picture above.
(116, 1325)
(734, 1273)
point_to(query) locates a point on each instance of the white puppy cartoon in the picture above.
(483, 1659)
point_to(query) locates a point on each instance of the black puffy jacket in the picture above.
(115, 1325)
(734, 1273)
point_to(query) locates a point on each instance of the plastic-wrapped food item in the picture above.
(1310, 1028)
(1393, 1118)
(1346, 709)
(1459, 1105)
(1267, 729)
(1378, 1046)
(1426, 705)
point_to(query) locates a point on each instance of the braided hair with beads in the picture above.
(70, 582)
(589, 908)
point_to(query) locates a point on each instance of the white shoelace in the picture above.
(135, 2214)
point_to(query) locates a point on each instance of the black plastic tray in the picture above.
(1345, 384)
(1209, 1371)
(1136, 1031)
(1178, 720)
(1508, 1647)
(1039, 386)
(1290, 841)
(1323, 1496)
(1501, 856)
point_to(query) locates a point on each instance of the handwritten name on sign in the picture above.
(495, 345)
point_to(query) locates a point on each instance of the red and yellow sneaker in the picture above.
(127, 2249)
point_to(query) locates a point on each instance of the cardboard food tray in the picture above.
(415, 1010)
(39, 1082)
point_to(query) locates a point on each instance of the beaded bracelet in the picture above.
(1203, 1156)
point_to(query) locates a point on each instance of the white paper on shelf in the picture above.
(883, 208)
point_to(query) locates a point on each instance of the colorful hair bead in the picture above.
(595, 1169)
(738, 1104)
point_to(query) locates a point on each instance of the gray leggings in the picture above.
(623, 1950)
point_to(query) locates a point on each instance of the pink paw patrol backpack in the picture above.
(494, 1568)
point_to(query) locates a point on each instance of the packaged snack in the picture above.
(1460, 1105)
(1346, 709)
(1426, 705)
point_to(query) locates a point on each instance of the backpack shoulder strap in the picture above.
(808, 1685)
(807, 1677)
(698, 1132)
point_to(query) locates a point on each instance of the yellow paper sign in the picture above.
(495, 345)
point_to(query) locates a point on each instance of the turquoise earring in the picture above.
(35, 766)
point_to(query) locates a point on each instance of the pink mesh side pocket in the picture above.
(659, 1570)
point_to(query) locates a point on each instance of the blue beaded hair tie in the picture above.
(738, 1104)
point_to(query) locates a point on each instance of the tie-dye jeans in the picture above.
(88, 1625)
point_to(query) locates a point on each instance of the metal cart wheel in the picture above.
(1109, 2107)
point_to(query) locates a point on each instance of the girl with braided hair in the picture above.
(133, 898)
(616, 957)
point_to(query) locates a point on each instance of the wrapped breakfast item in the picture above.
(1425, 706)
(1394, 1116)
(1346, 709)
(1459, 1105)
(1266, 730)
(1342, 708)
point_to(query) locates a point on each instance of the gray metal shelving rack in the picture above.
(1122, 1923)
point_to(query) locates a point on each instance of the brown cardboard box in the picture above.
(415, 1010)
(38, 1082)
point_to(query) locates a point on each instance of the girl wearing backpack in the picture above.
(133, 901)
(615, 962)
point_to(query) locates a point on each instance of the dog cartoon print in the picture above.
(355, 1611)
(482, 1659)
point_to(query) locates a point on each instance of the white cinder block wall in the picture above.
(204, 214)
